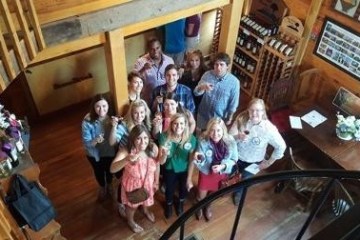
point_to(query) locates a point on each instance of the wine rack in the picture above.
(265, 55)
(249, 46)
(278, 56)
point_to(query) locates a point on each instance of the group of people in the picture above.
(177, 120)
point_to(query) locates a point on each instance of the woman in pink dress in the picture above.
(139, 170)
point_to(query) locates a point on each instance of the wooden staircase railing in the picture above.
(20, 39)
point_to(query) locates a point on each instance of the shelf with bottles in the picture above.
(246, 82)
(256, 28)
(250, 44)
(245, 63)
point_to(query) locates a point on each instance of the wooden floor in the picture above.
(65, 172)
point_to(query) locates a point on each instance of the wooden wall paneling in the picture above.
(230, 26)
(331, 74)
(35, 25)
(4, 9)
(25, 29)
(308, 26)
(116, 68)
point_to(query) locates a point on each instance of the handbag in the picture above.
(233, 178)
(140, 194)
(28, 204)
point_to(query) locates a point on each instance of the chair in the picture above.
(307, 187)
(342, 201)
(312, 86)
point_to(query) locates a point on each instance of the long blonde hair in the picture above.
(244, 116)
(216, 120)
(186, 134)
(129, 119)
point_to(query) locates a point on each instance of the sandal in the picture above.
(199, 214)
(121, 210)
(207, 213)
(135, 227)
(149, 215)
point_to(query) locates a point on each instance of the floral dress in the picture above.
(134, 177)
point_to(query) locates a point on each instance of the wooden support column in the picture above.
(230, 26)
(309, 23)
(116, 68)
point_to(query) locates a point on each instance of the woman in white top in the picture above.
(253, 133)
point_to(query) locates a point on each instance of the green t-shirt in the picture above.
(178, 159)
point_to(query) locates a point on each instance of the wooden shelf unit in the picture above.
(274, 58)
(247, 56)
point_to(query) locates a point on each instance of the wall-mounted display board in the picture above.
(339, 46)
(350, 8)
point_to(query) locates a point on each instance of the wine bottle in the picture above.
(10, 150)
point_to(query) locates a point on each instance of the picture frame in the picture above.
(347, 102)
(340, 46)
(348, 7)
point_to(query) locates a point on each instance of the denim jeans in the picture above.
(244, 174)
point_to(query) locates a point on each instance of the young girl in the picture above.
(96, 128)
(140, 170)
(215, 157)
(176, 147)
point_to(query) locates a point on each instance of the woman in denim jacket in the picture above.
(215, 157)
(96, 128)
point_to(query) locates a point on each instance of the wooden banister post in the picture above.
(25, 28)
(35, 24)
(6, 59)
(4, 9)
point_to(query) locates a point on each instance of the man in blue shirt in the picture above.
(174, 40)
(182, 92)
(220, 90)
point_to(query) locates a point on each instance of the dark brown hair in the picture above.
(135, 132)
(95, 99)
(223, 57)
(134, 74)
(171, 66)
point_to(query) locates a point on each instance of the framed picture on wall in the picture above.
(348, 7)
(339, 46)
